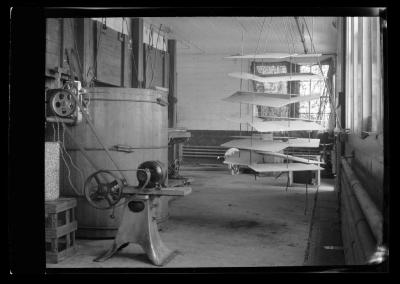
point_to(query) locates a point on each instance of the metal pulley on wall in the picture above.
(65, 103)
(61, 102)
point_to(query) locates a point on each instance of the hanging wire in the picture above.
(62, 145)
(241, 83)
(72, 163)
(254, 70)
(290, 92)
(63, 158)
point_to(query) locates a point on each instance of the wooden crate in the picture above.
(60, 227)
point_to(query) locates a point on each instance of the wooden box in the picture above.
(60, 227)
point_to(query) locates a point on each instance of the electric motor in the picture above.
(158, 174)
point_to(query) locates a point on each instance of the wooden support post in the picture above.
(53, 224)
(172, 118)
(137, 51)
(290, 178)
(67, 221)
(318, 173)
(172, 84)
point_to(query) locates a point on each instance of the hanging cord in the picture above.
(241, 84)
(66, 152)
(254, 71)
(65, 162)
(88, 120)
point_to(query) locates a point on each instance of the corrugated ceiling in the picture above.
(223, 35)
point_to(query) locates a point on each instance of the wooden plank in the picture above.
(60, 205)
(154, 67)
(54, 245)
(137, 52)
(275, 55)
(168, 191)
(60, 231)
(290, 157)
(205, 153)
(53, 257)
(198, 156)
(276, 77)
(268, 99)
(271, 146)
(260, 145)
(208, 147)
(68, 221)
(259, 136)
(53, 220)
(109, 57)
(283, 167)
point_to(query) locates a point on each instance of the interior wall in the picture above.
(363, 145)
(203, 82)
(364, 90)
(90, 39)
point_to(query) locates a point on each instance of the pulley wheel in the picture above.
(61, 102)
(103, 190)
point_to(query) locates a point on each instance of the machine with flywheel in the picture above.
(104, 189)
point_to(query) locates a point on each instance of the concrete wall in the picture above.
(202, 82)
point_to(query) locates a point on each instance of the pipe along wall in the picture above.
(362, 222)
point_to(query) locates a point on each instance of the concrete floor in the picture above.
(227, 221)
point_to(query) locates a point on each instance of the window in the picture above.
(315, 109)
(363, 75)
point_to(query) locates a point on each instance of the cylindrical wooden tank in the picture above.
(121, 116)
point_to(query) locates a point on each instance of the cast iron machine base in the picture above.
(104, 190)
(139, 226)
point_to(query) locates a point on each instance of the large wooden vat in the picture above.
(121, 116)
